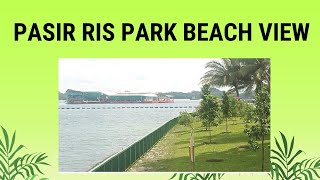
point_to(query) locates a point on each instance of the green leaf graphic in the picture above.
(197, 176)
(12, 166)
(284, 165)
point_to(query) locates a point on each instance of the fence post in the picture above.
(143, 147)
(111, 165)
(118, 163)
(125, 160)
(130, 157)
(138, 152)
(135, 152)
(150, 144)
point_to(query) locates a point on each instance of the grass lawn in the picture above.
(172, 152)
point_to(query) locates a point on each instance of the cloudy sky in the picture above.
(115, 75)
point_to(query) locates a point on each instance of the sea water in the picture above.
(90, 133)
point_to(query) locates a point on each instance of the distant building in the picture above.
(79, 97)
(138, 98)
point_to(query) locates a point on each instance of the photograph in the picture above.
(162, 91)
(164, 114)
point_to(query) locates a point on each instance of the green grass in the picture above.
(226, 148)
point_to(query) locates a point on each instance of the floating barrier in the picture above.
(132, 107)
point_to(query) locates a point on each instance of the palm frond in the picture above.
(308, 168)
(285, 166)
(30, 164)
(12, 166)
(34, 177)
(282, 158)
(197, 176)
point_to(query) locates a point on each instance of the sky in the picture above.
(114, 75)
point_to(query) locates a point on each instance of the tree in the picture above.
(209, 111)
(187, 120)
(224, 73)
(62, 96)
(238, 73)
(234, 108)
(260, 116)
(248, 114)
(243, 107)
(255, 73)
(225, 107)
(205, 90)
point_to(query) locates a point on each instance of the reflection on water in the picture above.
(87, 136)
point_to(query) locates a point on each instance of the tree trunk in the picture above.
(209, 134)
(237, 89)
(237, 92)
(262, 152)
(267, 77)
(206, 126)
(226, 124)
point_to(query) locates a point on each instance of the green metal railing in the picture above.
(123, 160)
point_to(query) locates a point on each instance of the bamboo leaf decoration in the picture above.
(308, 169)
(34, 177)
(197, 176)
(284, 165)
(12, 166)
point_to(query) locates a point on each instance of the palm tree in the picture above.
(255, 72)
(224, 73)
(238, 73)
